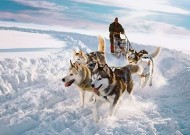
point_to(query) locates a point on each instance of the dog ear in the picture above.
(71, 63)
(74, 51)
(77, 65)
(83, 54)
(106, 69)
(80, 52)
(96, 66)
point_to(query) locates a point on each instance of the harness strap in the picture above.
(108, 91)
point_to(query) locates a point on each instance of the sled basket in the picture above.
(120, 42)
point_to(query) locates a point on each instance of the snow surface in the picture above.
(33, 99)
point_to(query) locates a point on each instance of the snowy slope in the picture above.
(34, 100)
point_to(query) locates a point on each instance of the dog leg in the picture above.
(113, 102)
(142, 82)
(96, 114)
(147, 77)
(112, 108)
(150, 82)
(82, 94)
(118, 104)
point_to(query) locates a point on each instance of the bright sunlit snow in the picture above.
(14, 39)
(34, 100)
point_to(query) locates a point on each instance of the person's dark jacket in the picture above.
(115, 28)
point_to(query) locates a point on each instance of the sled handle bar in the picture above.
(129, 46)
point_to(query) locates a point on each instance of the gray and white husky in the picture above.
(79, 75)
(109, 86)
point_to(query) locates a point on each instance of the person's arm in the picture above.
(111, 28)
(121, 29)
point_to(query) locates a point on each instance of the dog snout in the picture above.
(63, 79)
(92, 85)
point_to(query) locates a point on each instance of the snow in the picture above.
(33, 99)
(14, 42)
(21, 40)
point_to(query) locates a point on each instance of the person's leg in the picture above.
(111, 43)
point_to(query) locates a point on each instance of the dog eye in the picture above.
(99, 78)
(71, 74)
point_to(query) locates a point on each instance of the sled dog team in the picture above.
(90, 72)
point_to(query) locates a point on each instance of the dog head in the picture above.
(141, 53)
(93, 57)
(145, 57)
(101, 78)
(80, 57)
(74, 75)
(133, 56)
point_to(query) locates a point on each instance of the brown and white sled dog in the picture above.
(98, 56)
(79, 75)
(146, 62)
(109, 86)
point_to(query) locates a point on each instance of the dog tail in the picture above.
(101, 44)
(156, 52)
